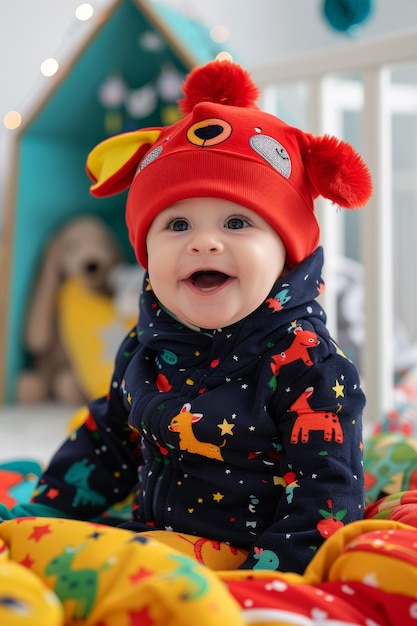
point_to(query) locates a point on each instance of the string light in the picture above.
(49, 67)
(224, 56)
(140, 101)
(84, 12)
(219, 33)
(12, 120)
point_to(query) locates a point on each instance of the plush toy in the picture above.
(71, 317)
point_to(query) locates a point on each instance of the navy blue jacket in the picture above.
(249, 434)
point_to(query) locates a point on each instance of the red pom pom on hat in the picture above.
(220, 82)
(337, 172)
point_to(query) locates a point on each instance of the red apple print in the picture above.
(90, 422)
(328, 527)
(331, 522)
(162, 449)
(163, 383)
(289, 477)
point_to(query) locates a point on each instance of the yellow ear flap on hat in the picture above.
(112, 163)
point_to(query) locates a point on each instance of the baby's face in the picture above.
(212, 262)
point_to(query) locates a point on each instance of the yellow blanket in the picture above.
(56, 572)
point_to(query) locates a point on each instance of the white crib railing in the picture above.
(373, 61)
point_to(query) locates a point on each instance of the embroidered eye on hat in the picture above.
(225, 147)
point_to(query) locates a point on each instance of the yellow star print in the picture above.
(339, 389)
(218, 496)
(225, 427)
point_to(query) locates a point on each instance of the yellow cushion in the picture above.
(24, 597)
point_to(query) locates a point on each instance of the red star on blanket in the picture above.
(27, 561)
(39, 532)
(140, 574)
(141, 618)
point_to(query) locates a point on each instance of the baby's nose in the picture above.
(206, 241)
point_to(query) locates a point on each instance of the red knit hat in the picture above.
(226, 147)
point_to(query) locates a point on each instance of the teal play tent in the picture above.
(125, 76)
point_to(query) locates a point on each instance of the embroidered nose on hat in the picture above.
(225, 147)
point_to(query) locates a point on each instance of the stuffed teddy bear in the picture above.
(72, 288)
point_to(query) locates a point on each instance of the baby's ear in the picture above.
(112, 164)
(337, 172)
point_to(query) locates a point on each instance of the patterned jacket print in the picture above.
(249, 434)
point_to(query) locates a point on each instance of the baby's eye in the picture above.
(178, 224)
(237, 222)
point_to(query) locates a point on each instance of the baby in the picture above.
(232, 414)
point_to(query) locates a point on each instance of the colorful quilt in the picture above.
(60, 572)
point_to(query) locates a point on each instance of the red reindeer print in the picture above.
(299, 349)
(309, 420)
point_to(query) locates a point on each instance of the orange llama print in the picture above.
(182, 424)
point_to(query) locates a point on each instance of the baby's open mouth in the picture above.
(208, 279)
